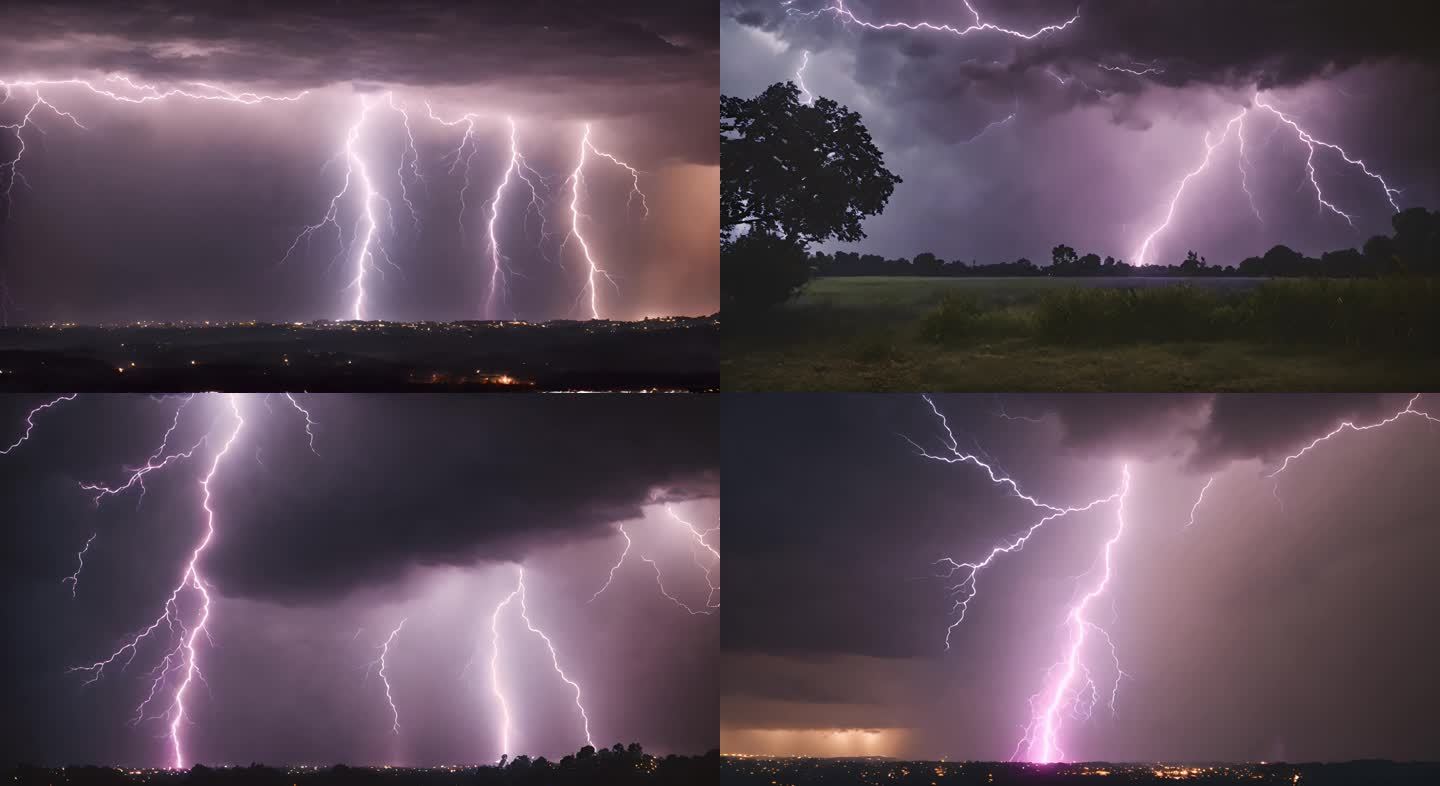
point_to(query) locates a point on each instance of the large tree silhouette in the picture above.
(806, 173)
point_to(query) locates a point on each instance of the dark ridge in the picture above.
(666, 354)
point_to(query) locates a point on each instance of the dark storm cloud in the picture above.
(1092, 154)
(1259, 631)
(457, 481)
(635, 57)
(1231, 42)
(1216, 429)
(414, 509)
(520, 474)
(801, 541)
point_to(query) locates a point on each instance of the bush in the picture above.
(1100, 314)
(954, 319)
(759, 272)
(1392, 313)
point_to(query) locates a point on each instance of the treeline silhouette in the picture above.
(618, 764)
(1414, 249)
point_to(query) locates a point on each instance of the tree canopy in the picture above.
(805, 173)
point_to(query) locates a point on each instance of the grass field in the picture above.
(1134, 334)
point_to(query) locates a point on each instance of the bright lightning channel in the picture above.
(495, 643)
(1143, 254)
(378, 666)
(841, 12)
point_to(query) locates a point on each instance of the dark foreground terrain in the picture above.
(621, 766)
(750, 771)
(672, 354)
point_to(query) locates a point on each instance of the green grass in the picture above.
(1047, 334)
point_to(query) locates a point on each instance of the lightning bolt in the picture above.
(309, 423)
(30, 421)
(1198, 500)
(1345, 426)
(1142, 256)
(616, 566)
(1144, 250)
(366, 223)
(800, 78)
(497, 266)
(697, 545)
(1044, 730)
(577, 184)
(186, 612)
(157, 460)
(839, 10)
(498, 690)
(966, 588)
(140, 93)
(378, 665)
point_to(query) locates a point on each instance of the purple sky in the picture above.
(416, 508)
(1093, 162)
(183, 209)
(1288, 623)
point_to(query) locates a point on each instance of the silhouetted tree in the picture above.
(805, 173)
(760, 271)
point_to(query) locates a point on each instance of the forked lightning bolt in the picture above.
(577, 184)
(806, 98)
(378, 666)
(30, 421)
(185, 614)
(1143, 255)
(699, 549)
(495, 682)
(979, 25)
(1075, 689)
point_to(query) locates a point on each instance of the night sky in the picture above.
(416, 508)
(1093, 156)
(1291, 621)
(184, 209)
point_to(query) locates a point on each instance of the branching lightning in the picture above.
(699, 548)
(360, 239)
(186, 613)
(495, 683)
(30, 421)
(1075, 690)
(839, 10)
(378, 666)
(1069, 687)
(577, 183)
(1143, 254)
(806, 97)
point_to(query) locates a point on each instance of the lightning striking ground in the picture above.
(1143, 254)
(1201, 498)
(185, 615)
(577, 184)
(495, 682)
(359, 211)
(378, 665)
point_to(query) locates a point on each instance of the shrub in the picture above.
(759, 272)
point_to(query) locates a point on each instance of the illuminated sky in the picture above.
(1093, 156)
(1289, 622)
(417, 508)
(184, 209)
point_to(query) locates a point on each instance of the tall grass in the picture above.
(1384, 313)
(1392, 313)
